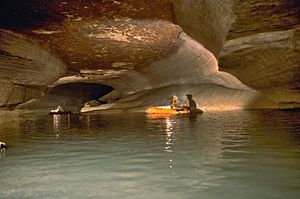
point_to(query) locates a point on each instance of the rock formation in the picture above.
(228, 54)
(26, 69)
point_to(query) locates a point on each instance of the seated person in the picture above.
(192, 104)
(175, 104)
(59, 109)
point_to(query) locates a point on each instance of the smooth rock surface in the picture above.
(245, 53)
(26, 69)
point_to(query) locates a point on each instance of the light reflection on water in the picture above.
(241, 154)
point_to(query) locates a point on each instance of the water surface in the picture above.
(239, 154)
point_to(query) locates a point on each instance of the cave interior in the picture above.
(134, 54)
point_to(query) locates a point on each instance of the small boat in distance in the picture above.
(59, 111)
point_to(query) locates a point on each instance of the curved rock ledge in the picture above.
(191, 69)
(264, 60)
(26, 68)
(229, 54)
(267, 62)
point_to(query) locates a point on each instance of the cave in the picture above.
(107, 62)
(70, 97)
(208, 48)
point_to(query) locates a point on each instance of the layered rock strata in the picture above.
(26, 69)
(229, 54)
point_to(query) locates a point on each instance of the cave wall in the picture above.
(243, 53)
(264, 60)
(258, 16)
(26, 69)
(207, 21)
(262, 49)
(192, 69)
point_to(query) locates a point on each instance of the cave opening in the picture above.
(70, 96)
(73, 96)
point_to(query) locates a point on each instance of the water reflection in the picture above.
(170, 122)
(58, 123)
(2, 152)
(172, 157)
(170, 137)
(191, 150)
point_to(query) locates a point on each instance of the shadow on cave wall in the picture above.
(70, 96)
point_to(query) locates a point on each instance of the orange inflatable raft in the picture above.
(167, 110)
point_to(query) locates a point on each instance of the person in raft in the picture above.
(175, 104)
(59, 109)
(192, 103)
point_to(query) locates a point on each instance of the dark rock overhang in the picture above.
(124, 43)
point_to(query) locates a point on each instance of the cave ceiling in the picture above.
(95, 34)
(98, 34)
(256, 41)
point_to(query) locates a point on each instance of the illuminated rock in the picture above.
(228, 54)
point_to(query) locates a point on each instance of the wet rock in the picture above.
(244, 52)
(92, 103)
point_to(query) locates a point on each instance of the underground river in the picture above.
(230, 154)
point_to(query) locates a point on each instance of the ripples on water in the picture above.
(241, 154)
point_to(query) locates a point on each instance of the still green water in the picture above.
(240, 154)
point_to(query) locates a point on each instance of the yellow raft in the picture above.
(166, 110)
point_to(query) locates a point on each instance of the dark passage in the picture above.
(69, 96)
(84, 91)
